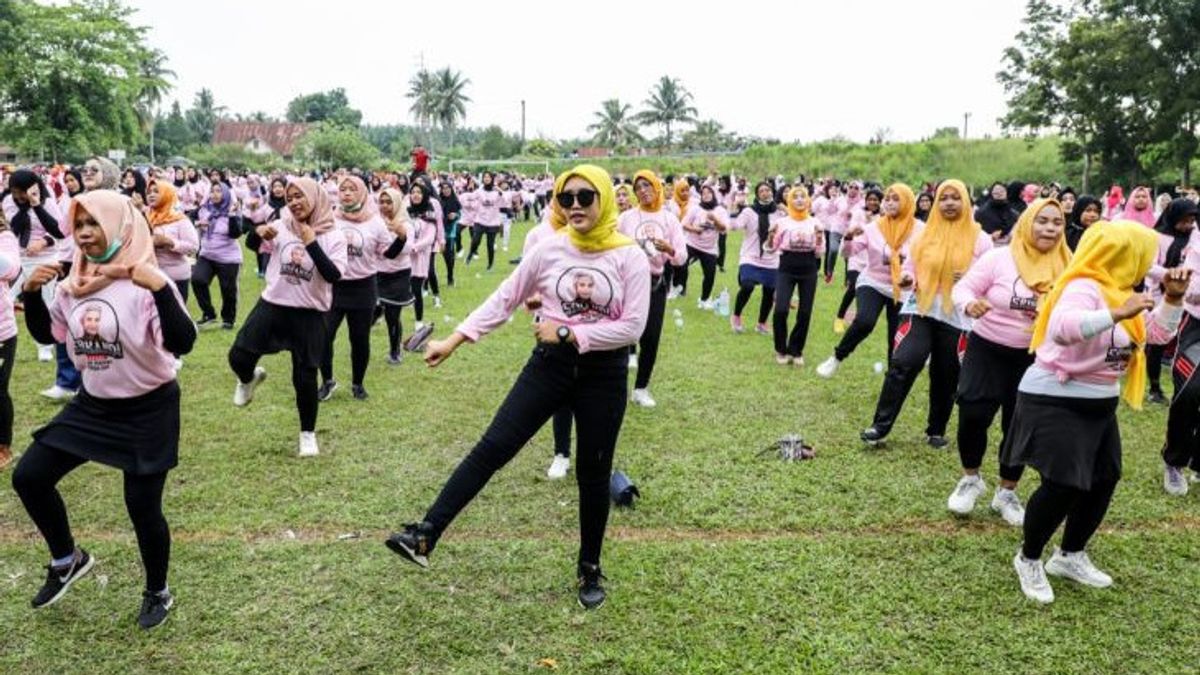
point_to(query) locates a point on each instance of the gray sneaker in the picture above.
(1174, 481)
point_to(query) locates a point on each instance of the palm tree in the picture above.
(202, 118)
(450, 103)
(614, 126)
(153, 85)
(707, 135)
(669, 103)
(422, 89)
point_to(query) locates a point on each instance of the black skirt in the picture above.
(395, 288)
(272, 328)
(138, 435)
(1072, 441)
(355, 294)
(991, 371)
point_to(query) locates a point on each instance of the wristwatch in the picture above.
(563, 333)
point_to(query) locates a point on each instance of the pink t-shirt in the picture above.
(186, 241)
(876, 254)
(983, 244)
(37, 232)
(400, 262)
(365, 244)
(604, 297)
(539, 233)
(750, 254)
(10, 269)
(114, 338)
(644, 227)
(798, 236)
(487, 207)
(994, 278)
(706, 239)
(422, 233)
(292, 277)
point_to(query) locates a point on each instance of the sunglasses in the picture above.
(584, 198)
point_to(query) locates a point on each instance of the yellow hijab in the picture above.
(656, 184)
(946, 248)
(683, 192)
(896, 231)
(1038, 270)
(1115, 256)
(604, 235)
(793, 212)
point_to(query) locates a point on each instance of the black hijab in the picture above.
(139, 185)
(24, 179)
(276, 203)
(450, 203)
(764, 212)
(1176, 211)
(996, 215)
(1076, 228)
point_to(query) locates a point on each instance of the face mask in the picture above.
(108, 254)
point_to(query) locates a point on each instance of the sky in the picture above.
(796, 71)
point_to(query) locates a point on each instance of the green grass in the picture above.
(731, 563)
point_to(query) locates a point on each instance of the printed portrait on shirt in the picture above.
(646, 233)
(585, 293)
(95, 334)
(1027, 304)
(295, 267)
(799, 240)
(354, 242)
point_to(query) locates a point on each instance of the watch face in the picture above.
(563, 332)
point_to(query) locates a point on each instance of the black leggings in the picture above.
(594, 387)
(432, 281)
(1154, 359)
(708, 263)
(477, 234)
(182, 285)
(227, 278)
(418, 300)
(764, 306)
(304, 381)
(1182, 447)
(453, 244)
(920, 338)
(35, 480)
(8, 355)
(1052, 503)
(849, 295)
(991, 374)
(395, 328)
(358, 321)
(787, 283)
(562, 431)
(871, 303)
(721, 241)
(648, 343)
(262, 259)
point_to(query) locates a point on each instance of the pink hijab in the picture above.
(321, 218)
(365, 209)
(1146, 215)
(123, 225)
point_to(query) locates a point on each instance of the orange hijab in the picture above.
(655, 184)
(896, 230)
(164, 212)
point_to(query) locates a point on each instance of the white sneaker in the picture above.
(437, 302)
(674, 293)
(177, 364)
(308, 444)
(244, 393)
(420, 325)
(460, 255)
(45, 353)
(1077, 567)
(798, 361)
(969, 489)
(425, 293)
(58, 393)
(558, 468)
(633, 361)
(1034, 583)
(1008, 505)
(642, 398)
(783, 359)
(828, 367)
(708, 305)
(1174, 482)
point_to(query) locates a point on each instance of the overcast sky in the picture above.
(791, 70)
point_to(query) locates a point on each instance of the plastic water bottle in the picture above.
(723, 302)
(679, 322)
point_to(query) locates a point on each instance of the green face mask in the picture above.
(108, 254)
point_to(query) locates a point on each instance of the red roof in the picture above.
(279, 136)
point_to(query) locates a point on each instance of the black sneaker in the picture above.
(206, 321)
(1156, 396)
(154, 608)
(359, 392)
(936, 442)
(395, 359)
(58, 580)
(591, 593)
(415, 543)
(325, 392)
(226, 325)
(872, 436)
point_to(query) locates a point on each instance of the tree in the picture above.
(707, 136)
(154, 85)
(203, 116)
(669, 103)
(329, 106)
(332, 145)
(495, 144)
(450, 104)
(172, 133)
(614, 126)
(70, 76)
(422, 89)
(540, 147)
(947, 132)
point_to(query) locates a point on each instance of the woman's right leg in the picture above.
(785, 287)
(870, 304)
(476, 238)
(333, 322)
(648, 343)
(491, 246)
(202, 276)
(916, 342)
(35, 480)
(562, 431)
(395, 329)
(304, 381)
(418, 301)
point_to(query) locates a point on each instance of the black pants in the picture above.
(708, 263)
(36, 479)
(451, 249)
(227, 278)
(594, 387)
(917, 339)
(721, 241)
(395, 329)
(8, 356)
(1183, 421)
(418, 301)
(1052, 503)
(262, 259)
(765, 305)
(562, 431)
(304, 381)
(477, 234)
(833, 246)
(991, 374)
(871, 303)
(183, 285)
(787, 283)
(358, 322)
(849, 295)
(432, 280)
(648, 343)
(1154, 359)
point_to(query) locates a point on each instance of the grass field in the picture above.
(732, 563)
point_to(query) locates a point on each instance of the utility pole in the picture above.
(966, 118)
(522, 122)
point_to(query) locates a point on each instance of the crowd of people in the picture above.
(1026, 300)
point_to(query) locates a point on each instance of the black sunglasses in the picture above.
(584, 197)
